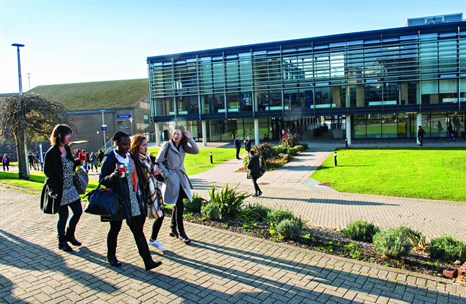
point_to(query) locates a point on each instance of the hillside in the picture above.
(96, 95)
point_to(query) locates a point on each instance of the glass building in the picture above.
(374, 84)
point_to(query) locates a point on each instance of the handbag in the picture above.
(47, 203)
(159, 176)
(103, 202)
(80, 180)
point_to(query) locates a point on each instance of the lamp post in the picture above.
(18, 45)
(104, 128)
(21, 147)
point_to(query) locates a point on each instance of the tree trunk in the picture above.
(21, 152)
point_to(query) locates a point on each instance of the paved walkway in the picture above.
(219, 266)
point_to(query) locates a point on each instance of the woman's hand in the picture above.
(54, 196)
(117, 172)
(187, 134)
(156, 171)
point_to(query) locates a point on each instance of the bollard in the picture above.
(335, 158)
(211, 159)
(346, 142)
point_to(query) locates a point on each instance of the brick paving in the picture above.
(219, 266)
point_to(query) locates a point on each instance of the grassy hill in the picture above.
(96, 95)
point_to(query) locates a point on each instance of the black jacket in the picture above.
(53, 170)
(254, 166)
(109, 179)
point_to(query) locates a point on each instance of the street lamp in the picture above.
(18, 45)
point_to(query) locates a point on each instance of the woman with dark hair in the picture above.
(119, 172)
(254, 171)
(59, 166)
(151, 186)
(177, 185)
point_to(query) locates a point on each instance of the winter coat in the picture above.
(119, 185)
(254, 166)
(53, 170)
(175, 173)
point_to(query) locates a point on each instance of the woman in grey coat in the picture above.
(177, 185)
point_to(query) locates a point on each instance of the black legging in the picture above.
(77, 210)
(256, 186)
(156, 227)
(177, 216)
(136, 226)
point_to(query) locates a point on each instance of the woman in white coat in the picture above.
(177, 185)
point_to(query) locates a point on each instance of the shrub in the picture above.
(300, 148)
(360, 231)
(280, 149)
(211, 210)
(392, 243)
(289, 140)
(417, 238)
(290, 229)
(276, 216)
(195, 205)
(255, 213)
(305, 146)
(293, 151)
(265, 151)
(228, 200)
(447, 249)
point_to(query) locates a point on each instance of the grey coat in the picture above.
(175, 173)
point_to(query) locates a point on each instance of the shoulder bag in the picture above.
(80, 180)
(103, 202)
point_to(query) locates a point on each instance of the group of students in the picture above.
(133, 187)
(90, 160)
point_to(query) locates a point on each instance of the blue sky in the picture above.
(71, 41)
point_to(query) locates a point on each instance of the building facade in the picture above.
(374, 84)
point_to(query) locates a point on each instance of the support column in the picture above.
(418, 123)
(157, 133)
(204, 133)
(256, 131)
(348, 129)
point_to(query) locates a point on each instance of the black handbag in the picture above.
(47, 203)
(103, 202)
(159, 177)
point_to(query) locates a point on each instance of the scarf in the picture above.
(152, 183)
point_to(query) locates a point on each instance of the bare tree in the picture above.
(26, 118)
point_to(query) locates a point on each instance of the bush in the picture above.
(300, 148)
(276, 216)
(305, 146)
(392, 243)
(293, 151)
(228, 200)
(289, 140)
(280, 149)
(195, 205)
(255, 213)
(447, 249)
(360, 231)
(417, 238)
(290, 229)
(211, 210)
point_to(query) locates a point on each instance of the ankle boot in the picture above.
(70, 238)
(184, 238)
(63, 244)
(151, 264)
(173, 233)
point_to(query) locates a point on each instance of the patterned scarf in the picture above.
(153, 186)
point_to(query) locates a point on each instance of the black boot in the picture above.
(113, 261)
(70, 237)
(184, 238)
(63, 244)
(150, 264)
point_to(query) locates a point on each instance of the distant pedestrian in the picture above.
(31, 160)
(237, 143)
(254, 172)
(93, 161)
(420, 135)
(100, 156)
(449, 131)
(6, 162)
(247, 144)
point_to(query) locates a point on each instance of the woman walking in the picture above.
(120, 173)
(139, 148)
(254, 170)
(177, 185)
(59, 166)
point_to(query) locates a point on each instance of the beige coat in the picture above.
(175, 173)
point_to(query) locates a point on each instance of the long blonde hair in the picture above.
(136, 142)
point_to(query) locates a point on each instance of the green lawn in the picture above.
(417, 173)
(193, 163)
